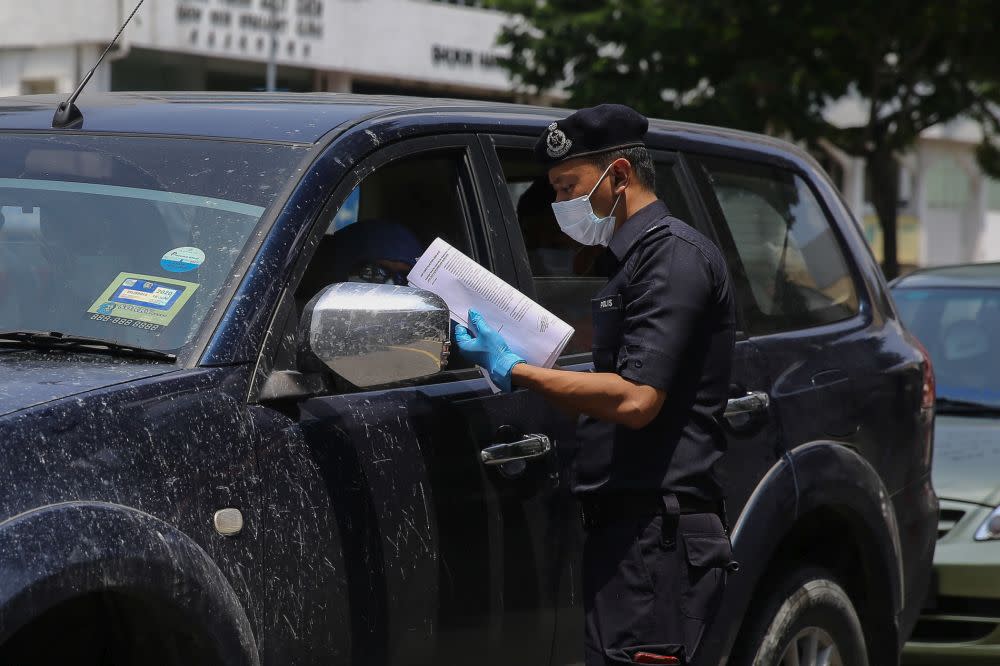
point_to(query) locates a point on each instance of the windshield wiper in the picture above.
(64, 341)
(951, 405)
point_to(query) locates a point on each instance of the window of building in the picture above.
(947, 185)
(38, 86)
(565, 273)
(797, 273)
(993, 197)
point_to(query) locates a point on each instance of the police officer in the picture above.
(656, 552)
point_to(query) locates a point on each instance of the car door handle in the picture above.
(754, 402)
(530, 446)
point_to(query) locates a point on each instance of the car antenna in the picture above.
(67, 113)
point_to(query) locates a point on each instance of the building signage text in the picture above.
(238, 24)
(460, 57)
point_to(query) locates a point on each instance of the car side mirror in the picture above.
(375, 334)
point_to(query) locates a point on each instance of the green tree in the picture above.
(774, 66)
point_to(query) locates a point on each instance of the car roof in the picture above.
(261, 117)
(296, 117)
(960, 275)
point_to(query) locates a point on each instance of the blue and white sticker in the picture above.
(182, 259)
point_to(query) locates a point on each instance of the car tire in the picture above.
(808, 616)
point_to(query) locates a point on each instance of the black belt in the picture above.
(604, 509)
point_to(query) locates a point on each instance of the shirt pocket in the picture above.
(633, 295)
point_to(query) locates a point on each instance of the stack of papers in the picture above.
(533, 333)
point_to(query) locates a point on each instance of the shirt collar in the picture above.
(635, 227)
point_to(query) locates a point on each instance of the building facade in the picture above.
(949, 211)
(420, 47)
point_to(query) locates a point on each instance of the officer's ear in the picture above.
(621, 174)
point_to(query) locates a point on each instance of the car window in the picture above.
(959, 327)
(796, 270)
(124, 238)
(565, 273)
(388, 221)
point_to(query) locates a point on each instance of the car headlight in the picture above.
(990, 529)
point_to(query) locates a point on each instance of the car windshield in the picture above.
(127, 239)
(960, 327)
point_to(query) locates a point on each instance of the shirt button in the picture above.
(638, 364)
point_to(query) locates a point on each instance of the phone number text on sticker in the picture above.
(142, 298)
(120, 321)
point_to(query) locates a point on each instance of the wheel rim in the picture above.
(811, 647)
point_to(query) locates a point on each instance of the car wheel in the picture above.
(808, 621)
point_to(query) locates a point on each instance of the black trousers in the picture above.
(651, 585)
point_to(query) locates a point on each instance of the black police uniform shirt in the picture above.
(665, 319)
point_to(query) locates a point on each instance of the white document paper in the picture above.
(533, 333)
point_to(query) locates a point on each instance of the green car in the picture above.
(955, 312)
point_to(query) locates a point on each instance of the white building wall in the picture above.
(941, 238)
(989, 245)
(62, 65)
(957, 225)
(406, 42)
(45, 23)
(401, 40)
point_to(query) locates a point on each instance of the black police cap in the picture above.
(591, 131)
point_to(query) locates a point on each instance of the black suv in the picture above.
(218, 447)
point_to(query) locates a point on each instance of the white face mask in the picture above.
(577, 219)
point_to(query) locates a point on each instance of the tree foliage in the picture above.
(774, 66)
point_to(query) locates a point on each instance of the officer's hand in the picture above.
(487, 349)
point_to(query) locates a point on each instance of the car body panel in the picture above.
(825, 474)
(373, 532)
(116, 547)
(846, 376)
(972, 276)
(961, 620)
(225, 115)
(174, 447)
(31, 378)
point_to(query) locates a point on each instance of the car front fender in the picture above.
(62, 551)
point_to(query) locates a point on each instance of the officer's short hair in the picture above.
(638, 157)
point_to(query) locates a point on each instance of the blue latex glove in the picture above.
(487, 349)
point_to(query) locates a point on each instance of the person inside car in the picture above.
(375, 250)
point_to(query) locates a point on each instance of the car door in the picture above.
(802, 305)
(432, 487)
(766, 226)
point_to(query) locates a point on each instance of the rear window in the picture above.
(960, 327)
(127, 238)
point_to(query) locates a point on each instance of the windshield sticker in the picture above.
(132, 298)
(182, 259)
